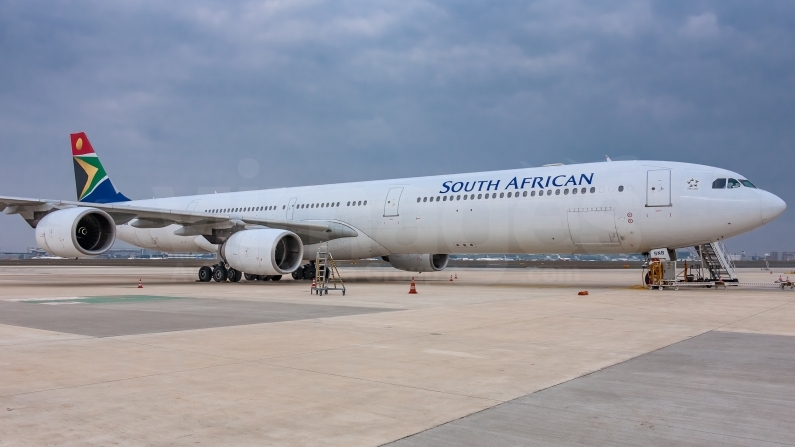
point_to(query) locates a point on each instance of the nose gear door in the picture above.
(658, 188)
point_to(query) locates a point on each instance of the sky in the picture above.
(186, 97)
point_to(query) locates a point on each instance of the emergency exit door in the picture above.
(658, 188)
(392, 203)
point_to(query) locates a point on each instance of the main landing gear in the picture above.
(307, 272)
(222, 272)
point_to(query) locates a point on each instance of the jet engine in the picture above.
(263, 252)
(418, 263)
(76, 232)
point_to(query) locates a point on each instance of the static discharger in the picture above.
(413, 288)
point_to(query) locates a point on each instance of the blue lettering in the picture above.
(459, 185)
(525, 181)
(587, 179)
(514, 183)
(467, 188)
(539, 181)
(571, 180)
(446, 187)
(555, 180)
(480, 185)
(496, 185)
(547, 184)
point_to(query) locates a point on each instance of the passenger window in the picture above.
(719, 183)
(733, 183)
(532, 193)
(365, 202)
(566, 192)
(557, 192)
(593, 189)
(444, 198)
(458, 197)
(524, 194)
(480, 196)
(620, 189)
(465, 197)
(747, 183)
(574, 190)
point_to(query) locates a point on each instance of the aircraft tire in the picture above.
(298, 274)
(276, 277)
(309, 271)
(205, 274)
(250, 277)
(233, 275)
(219, 274)
(264, 278)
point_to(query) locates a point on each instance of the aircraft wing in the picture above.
(193, 222)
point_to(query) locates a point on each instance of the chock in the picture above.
(582, 293)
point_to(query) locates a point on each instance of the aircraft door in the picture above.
(593, 228)
(291, 208)
(192, 205)
(658, 188)
(392, 203)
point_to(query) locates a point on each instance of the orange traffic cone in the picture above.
(140, 284)
(413, 288)
(314, 283)
(456, 276)
(451, 278)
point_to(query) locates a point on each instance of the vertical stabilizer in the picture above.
(92, 182)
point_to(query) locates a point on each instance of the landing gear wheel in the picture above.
(205, 274)
(309, 271)
(233, 275)
(264, 278)
(276, 277)
(298, 274)
(219, 273)
(250, 277)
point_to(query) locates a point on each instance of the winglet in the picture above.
(92, 182)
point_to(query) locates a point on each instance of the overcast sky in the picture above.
(178, 97)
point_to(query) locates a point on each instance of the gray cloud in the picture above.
(175, 94)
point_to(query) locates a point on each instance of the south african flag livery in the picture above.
(92, 182)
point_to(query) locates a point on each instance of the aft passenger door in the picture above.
(392, 202)
(658, 188)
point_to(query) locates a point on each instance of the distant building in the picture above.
(788, 256)
(772, 256)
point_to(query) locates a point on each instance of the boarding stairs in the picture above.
(326, 273)
(717, 261)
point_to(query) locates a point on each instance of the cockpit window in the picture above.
(733, 183)
(747, 183)
(719, 183)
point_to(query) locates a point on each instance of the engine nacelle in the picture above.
(264, 252)
(418, 263)
(76, 232)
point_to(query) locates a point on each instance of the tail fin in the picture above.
(92, 182)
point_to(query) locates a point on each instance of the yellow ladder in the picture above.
(326, 273)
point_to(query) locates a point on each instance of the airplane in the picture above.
(415, 224)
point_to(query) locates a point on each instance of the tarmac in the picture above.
(496, 357)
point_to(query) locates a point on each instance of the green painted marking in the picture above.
(107, 299)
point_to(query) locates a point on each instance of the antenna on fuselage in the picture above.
(608, 158)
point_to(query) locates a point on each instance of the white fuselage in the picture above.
(618, 207)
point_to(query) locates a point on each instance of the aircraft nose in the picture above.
(772, 206)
